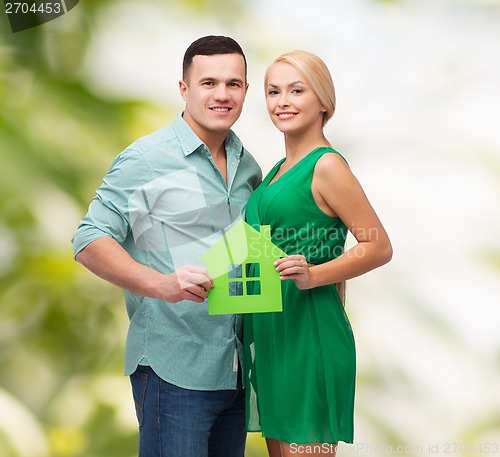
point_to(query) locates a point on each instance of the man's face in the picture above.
(214, 92)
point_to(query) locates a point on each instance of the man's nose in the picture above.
(221, 92)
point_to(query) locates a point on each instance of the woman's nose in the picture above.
(283, 100)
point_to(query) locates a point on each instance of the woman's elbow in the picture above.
(385, 253)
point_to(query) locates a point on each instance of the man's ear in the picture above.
(183, 87)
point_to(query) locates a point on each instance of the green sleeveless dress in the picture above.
(300, 363)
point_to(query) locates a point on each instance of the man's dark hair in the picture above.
(208, 46)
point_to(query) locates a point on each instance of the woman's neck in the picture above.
(297, 147)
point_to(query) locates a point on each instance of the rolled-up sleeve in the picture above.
(108, 214)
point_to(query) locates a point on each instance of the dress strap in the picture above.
(319, 152)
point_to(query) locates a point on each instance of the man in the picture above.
(165, 200)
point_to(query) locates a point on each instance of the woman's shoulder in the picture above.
(329, 159)
(332, 170)
(328, 151)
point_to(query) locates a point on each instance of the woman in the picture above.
(300, 363)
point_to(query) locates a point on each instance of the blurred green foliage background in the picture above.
(413, 87)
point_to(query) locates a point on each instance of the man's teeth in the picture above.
(220, 109)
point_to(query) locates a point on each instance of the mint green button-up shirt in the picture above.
(165, 201)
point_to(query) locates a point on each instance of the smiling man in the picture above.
(165, 200)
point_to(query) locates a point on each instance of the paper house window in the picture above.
(244, 279)
(241, 264)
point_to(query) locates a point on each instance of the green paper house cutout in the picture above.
(241, 264)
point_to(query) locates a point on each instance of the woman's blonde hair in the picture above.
(316, 75)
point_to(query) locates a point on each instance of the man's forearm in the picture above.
(107, 259)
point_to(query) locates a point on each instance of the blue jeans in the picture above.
(176, 422)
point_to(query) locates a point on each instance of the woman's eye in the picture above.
(272, 92)
(297, 91)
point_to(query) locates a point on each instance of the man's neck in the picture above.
(220, 159)
(216, 147)
(214, 140)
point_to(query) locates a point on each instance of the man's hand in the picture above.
(187, 283)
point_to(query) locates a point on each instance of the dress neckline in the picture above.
(278, 166)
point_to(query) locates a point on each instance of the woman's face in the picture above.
(291, 103)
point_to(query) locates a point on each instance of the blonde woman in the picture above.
(300, 363)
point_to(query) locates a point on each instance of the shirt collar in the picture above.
(190, 142)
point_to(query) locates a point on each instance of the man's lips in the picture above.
(220, 109)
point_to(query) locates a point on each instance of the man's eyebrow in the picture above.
(212, 79)
(237, 80)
